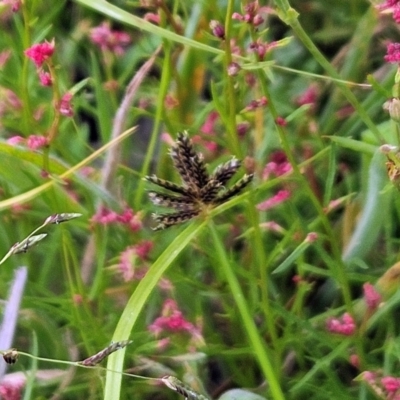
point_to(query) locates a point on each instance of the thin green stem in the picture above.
(164, 85)
(257, 344)
(340, 271)
(290, 17)
(230, 90)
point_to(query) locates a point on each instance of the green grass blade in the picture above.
(137, 302)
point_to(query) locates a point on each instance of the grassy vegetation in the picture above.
(199, 199)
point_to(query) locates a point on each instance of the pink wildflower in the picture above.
(45, 78)
(15, 140)
(390, 384)
(242, 128)
(273, 201)
(273, 227)
(278, 166)
(217, 29)
(281, 121)
(393, 53)
(40, 52)
(143, 248)
(391, 6)
(311, 237)
(152, 17)
(355, 361)
(65, 106)
(108, 39)
(131, 219)
(35, 142)
(126, 264)
(172, 320)
(344, 326)
(105, 216)
(233, 69)
(371, 296)
(256, 104)
(11, 386)
(309, 96)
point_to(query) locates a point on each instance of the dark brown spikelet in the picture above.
(235, 189)
(184, 390)
(165, 200)
(225, 171)
(10, 356)
(101, 355)
(189, 164)
(198, 190)
(173, 187)
(167, 220)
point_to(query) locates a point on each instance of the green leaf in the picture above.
(137, 302)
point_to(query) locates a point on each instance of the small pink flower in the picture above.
(143, 248)
(371, 296)
(355, 361)
(45, 78)
(65, 106)
(256, 104)
(233, 69)
(393, 53)
(172, 320)
(281, 121)
(278, 166)
(209, 124)
(391, 6)
(390, 383)
(40, 52)
(126, 265)
(131, 219)
(309, 96)
(311, 237)
(108, 39)
(15, 140)
(242, 128)
(217, 29)
(237, 16)
(273, 201)
(35, 142)
(273, 227)
(152, 17)
(11, 386)
(343, 326)
(105, 216)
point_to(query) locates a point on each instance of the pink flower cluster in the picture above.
(253, 14)
(371, 296)
(393, 49)
(128, 217)
(391, 6)
(33, 142)
(386, 387)
(278, 166)
(273, 201)
(173, 321)
(129, 257)
(254, 104)
(343, 326)
(109, 40)
(40, 52)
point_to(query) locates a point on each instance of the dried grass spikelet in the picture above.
(198, 191)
